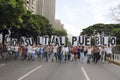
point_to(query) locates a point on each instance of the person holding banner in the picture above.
(40, 52)
(66, 53)
(46, 52)
(75, 51)
(1, 50)
(33, 53)
(59, 53)
(16, 51)
(8, 51)
(82, 53)
(89, 52)
(109, 53)
(103, 54)
(29, 52)
(54, 54)
(63, 54)
(72, 53)
(95, 54)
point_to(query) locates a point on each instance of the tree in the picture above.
(32, 25)
(61, 32)
(107, 29)
(115, 13)
(116, 34)
(11, 12)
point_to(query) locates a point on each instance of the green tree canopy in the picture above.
(60, 32)
(107, 29)
(11, 12)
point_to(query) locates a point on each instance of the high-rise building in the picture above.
(46, 8)
(58, 24)
(31, 5)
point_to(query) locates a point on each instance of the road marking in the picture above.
(29, 73)
(86, 76)
(2, 65)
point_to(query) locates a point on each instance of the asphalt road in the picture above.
(35, 70)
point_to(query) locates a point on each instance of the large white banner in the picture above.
(60, 40)
(81, 41)
(7, 39)
(45, 40)
(39, 40)
(74, 40)
(113, 41)
(14, 41)
(27, 41)
(105, 41)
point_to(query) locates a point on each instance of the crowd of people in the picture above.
(63, 54)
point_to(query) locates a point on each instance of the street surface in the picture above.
(36, 70)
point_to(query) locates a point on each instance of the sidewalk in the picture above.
(116, 57)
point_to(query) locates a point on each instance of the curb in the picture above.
(115, 62)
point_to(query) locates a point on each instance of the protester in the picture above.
(95, 53)
(46, 52)
(24, 52)
(8, 52)
(55, 53)
(33, 53)
(60, 53)
(66, 53)
(16, 52)
(89, 52)
(20, 51)
(82, 53)
(29, 52)
(63, 54)
(40, 52)
(103, 53)
(1, 50)
(75, 51)
(72, 53)
(109, 53)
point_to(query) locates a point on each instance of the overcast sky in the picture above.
(79, 14)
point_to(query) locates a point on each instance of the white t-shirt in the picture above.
(16, 48)
(66, 50)
(109, 50)
(100, 50)
(89, 51)
(33, 50)
(29, 49)
(55, 49)
(9, 48)
(63, 50)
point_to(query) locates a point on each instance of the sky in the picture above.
(79, 14)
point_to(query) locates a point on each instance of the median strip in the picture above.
(115, 62)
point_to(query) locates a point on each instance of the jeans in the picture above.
(66, 57)
(89, 57)
(33, 56)
(16, 54)
(63, 58)
(82, 56)
(46, 56)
